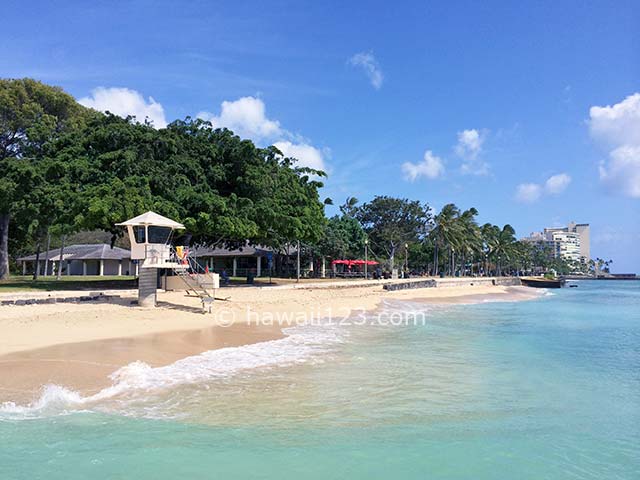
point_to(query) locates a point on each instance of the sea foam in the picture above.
(304, 343)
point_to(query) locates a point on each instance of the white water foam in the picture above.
(302, 344)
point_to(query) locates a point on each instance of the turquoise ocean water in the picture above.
(545, 389)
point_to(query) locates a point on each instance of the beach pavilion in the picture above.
(94, 259)
(238, 262)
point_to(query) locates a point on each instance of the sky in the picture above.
(527, 111)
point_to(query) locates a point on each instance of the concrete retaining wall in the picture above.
(407, 285)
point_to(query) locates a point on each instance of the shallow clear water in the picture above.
(543, 389)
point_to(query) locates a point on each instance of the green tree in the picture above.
(343, 238)
(32, 114)
(392, 222)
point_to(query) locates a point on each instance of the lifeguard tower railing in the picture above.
(184, 266)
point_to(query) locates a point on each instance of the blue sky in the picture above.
(485, 104)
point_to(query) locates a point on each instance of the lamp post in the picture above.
(486, 265)
(453, 262)
(366, 258)
(298, 263)
(406, 260)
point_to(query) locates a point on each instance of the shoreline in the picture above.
(79, 345)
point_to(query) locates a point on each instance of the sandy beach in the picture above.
(79, 345)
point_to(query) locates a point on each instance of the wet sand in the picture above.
(85, 366)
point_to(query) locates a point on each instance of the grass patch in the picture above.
(49, 283)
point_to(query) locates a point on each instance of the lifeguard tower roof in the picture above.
(151, 218)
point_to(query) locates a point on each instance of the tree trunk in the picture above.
(4, 246)
(435, 259)
(392, 256)
(46, 255)
(36, 270)
(60, 259)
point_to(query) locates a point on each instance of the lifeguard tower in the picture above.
(150, 235)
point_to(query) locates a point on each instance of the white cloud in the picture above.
(246, 117)
(307, 155)
(370, 65)
(618, 127)
(469, 148)
(469, 143)
(528, 192)
(531, 192)
(622, 172)
(431, 167)
(557, 184)
(124, 102)
(618, 124)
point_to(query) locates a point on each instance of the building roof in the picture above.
(244, 251)
(152, 218)
(100, 251)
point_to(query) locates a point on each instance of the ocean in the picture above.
(541, 389)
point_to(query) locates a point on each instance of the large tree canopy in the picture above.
(224, 189)
(69, 168)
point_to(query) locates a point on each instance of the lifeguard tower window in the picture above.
(139, 233)
(159, 234)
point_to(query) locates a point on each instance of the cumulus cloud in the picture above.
(371, 67)
(246, 117)
(124, 102)
(622, 171)
(532, 192)
(430, 167)
(618, 127)
(307, 155)
(469, 143)
(557, 183)
(469, 148)
(617, 124)
(528, 192)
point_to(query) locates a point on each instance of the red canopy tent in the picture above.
(350, 263)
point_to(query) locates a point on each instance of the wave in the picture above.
(305, 343)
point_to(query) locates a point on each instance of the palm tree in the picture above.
(444, 232)
(488, 233)
(504, 246)
(349, 207)
(499, 244)
(469, 240)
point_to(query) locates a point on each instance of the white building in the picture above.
(582, 230)
(566, 245)
(571, 242)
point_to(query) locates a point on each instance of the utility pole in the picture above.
(406, 260)
(366, 258)
(46, 255)
(60, 259)
(298, 263)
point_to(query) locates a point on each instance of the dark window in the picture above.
(159, 234)
(139, 234)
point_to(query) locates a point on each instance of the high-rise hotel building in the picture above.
(571, 242)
